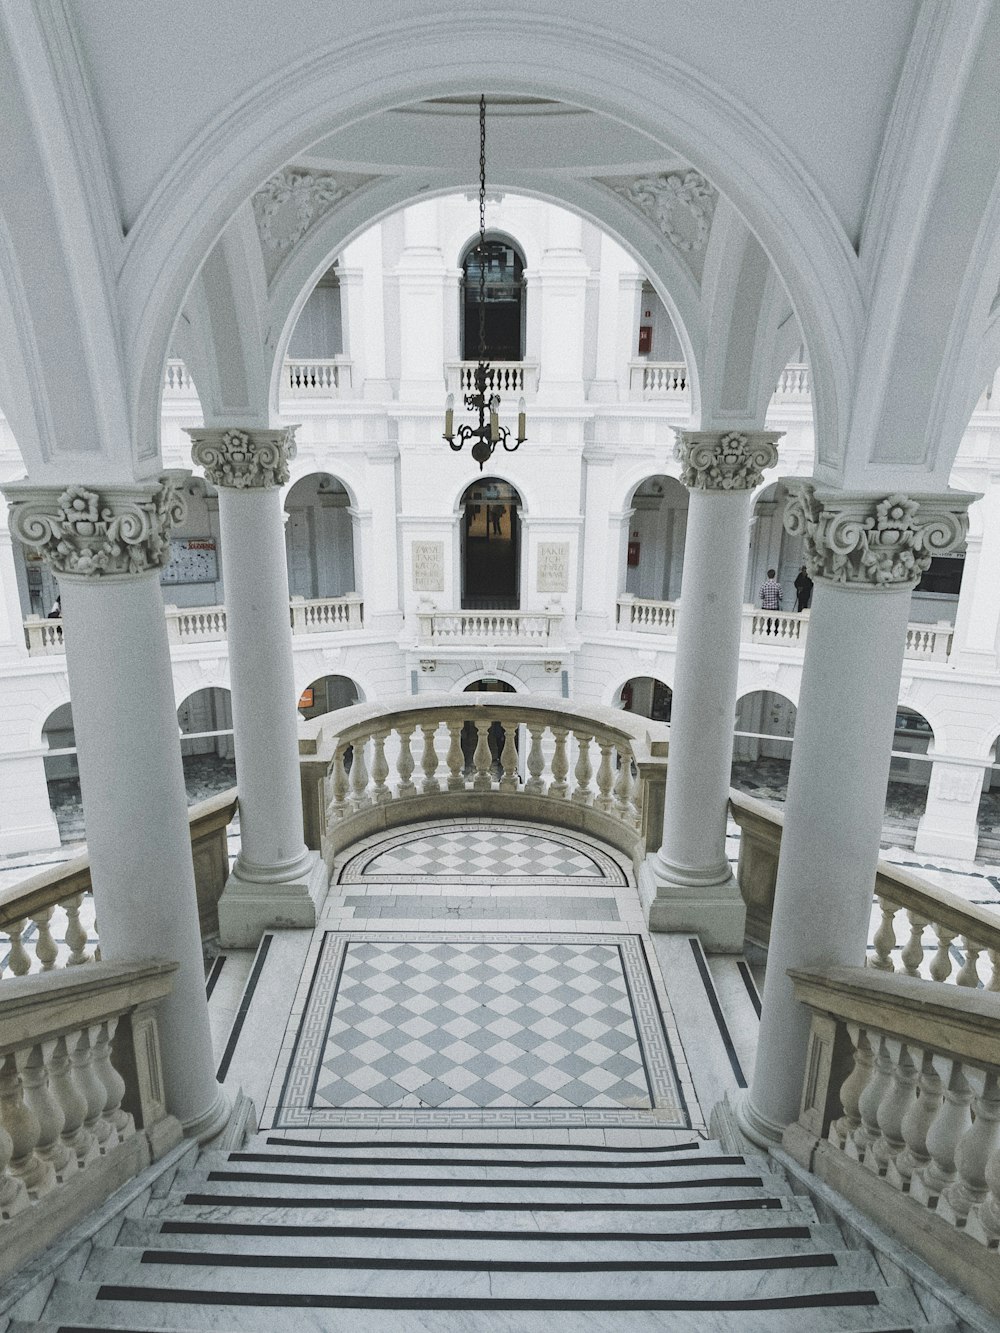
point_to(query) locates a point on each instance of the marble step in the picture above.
(750, 1239)
(154, 1307)
(527, 1144)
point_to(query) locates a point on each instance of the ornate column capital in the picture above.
(732, 460)
(99, 532)
(243, 459)
(874, 541)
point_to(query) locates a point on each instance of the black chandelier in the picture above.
(488, 433)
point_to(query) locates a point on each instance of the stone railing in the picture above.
(507, 378)
(793, 383)
(81, 1101)
(644, 614)
(923, 931)
(48, 925)
(177, 381)
(207, 624)
(521, 756)
(528, 629)
(658, 379)
(900, 1113)
(779, 629)
(316, 377)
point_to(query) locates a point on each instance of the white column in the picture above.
(275, 882)
(378, 538)
(949, 825)
(629, 310)
(600, 554)
(688, 884)
(865, 553)
(12, 643)
(562, 282)
(107, 545)
(364, 322)
(977, 621)
(605, 387)
(422, 282)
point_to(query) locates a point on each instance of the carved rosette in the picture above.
(730, 461)
(873, 540)
(244, 459)
(680, 204)
(113, 531)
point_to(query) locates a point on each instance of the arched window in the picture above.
(504, 302)
(491, 546)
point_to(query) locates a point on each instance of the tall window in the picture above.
(504, 303)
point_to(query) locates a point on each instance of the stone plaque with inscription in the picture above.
(553, 566)
(428, 566)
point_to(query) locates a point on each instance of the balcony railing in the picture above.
(507, 378)
(207, 624)
(658, 379)
(524, 629)
(778, 629)
(301, 377)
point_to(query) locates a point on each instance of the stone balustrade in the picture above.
(507, 378)
(81, 1096)
(645, 615)
(519, 756)
(658, 379)
(207, 624)
(923, 931)
(900, 1113)
(529, 629)
(793, 384)
(48, 920)
(316, 377)
(779, 629)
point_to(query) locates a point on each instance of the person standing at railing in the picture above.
(770, 599)
(803, 589)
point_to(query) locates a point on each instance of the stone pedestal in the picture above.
(275, 882)
(107, 545)
(865, 553)
(688, 885)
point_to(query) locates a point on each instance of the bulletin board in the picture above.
(192, 560)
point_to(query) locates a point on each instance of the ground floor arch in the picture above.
(646, 696)
(325, 694)
(654, 554)
(62, 773)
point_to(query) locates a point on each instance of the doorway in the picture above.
(491, 547)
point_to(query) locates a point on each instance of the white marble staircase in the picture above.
(552, 1229)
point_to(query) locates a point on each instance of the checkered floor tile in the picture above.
(484, 851)
(493, 1022)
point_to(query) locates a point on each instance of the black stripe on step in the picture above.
(241, 1013)
(382, 1144)
(176, 1227)
(213, 976)
(205, 1258)
(325, 1159)
(720, 1019)
(750, 984)
(443, 1182)
(482, 1206)
(311, 1300)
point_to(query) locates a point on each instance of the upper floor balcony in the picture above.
(668, 381)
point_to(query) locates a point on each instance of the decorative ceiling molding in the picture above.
(292, 202)
(680, 204)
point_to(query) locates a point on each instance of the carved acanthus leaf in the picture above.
(680, 204)
(242, 459)
(729, 461)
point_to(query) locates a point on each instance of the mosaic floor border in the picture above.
(654, 1026)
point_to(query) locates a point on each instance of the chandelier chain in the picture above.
(482, 227)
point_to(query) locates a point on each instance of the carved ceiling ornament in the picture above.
(874, 541)
(242, 459)
(113, 531)
(725, 461)
(288, 204)
(680, 204)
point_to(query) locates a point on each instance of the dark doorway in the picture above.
(504, 303)
(497, 733)
(491, 542)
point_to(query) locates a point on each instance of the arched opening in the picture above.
(497, 733)
(205, 719)
(491, 546)
(326, 694)
(319, 538)
(988, 817)
(771, 547)
(909, 777)
(654, 560)
(193, 574)
(503, 301)
(319, 330)
(762, 744)
(647, 697)
(62, 774)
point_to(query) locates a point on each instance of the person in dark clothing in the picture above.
(803, 590)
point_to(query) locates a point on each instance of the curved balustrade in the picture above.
(522, 756)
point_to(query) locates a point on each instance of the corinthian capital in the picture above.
(98, 532)
(875, 540)
(732, 460)
(244, 459)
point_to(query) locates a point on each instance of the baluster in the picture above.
(535, 785)
(429, 758)
(843, 1129)
(21, 1124)
(89, 1083)
(404, 764)
(968, 973)
(51, 1147)
(916, 1125)
(984, 1218)
(912, 955)
(893, 1107)
(380, 769)
(339, 784)
(13, 1196)
(72, 1103)
(76, 935)
(482, 759)
(973, 1154)
(994, 982)
(46, 949)
(638, 801)
(623, 787)
(584, 770)
(605, 777)
(121, 1122)
(359, 776)
(941, 963)
(508, 758)
(950, 1124)
(455, 758)
(884, 938)
(560, 765)
(19, 959)
(878, 1084)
